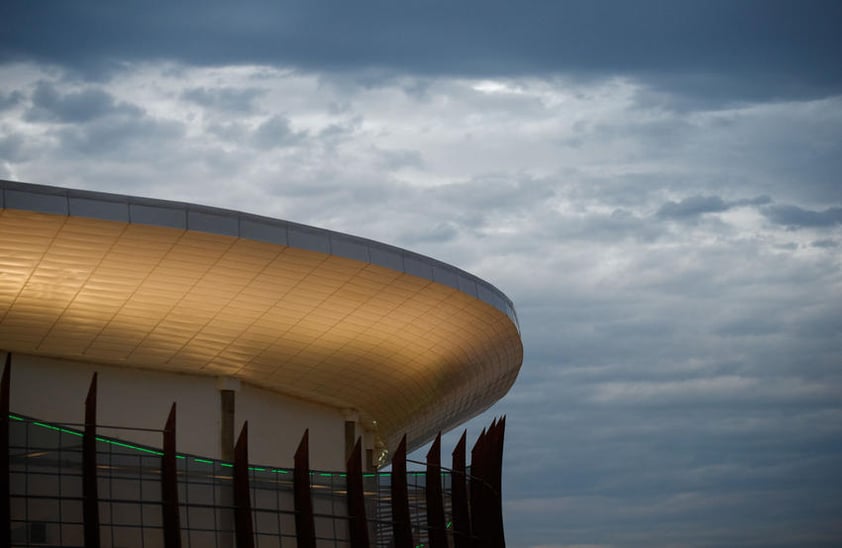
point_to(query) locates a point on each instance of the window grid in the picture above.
(46, 496)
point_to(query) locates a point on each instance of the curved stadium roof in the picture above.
(412, 344)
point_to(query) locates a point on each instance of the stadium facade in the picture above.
(155, 351)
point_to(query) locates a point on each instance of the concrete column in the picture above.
(228, 388)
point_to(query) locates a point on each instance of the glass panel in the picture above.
(46, 483)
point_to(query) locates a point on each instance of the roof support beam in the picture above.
(435, 504)
(90, 498)
(480, 492)
(401, 523)
(499, 536)
(242, 492)
(357, 524)
(459, 497)
(305, 526)
(169, 486)
(5, 493)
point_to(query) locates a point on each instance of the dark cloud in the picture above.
(685, 91)
(692, 207)
(825, 244)
(224, 99)
(11, 148)
(49, 104)
(10, 99)
(796, 217)
(276, 132)
(758, 201)
(228, 131)
(620, 225)
(695, 206)
(123, 137)
(766, 48)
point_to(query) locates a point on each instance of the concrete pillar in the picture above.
(228, 388)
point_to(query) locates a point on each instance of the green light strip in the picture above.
(129, 446)
(195, 459)
(57, 429)
(98, 438)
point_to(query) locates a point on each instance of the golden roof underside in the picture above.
(413, 355)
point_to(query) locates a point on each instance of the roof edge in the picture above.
(225, 222)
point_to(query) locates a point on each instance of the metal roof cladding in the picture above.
(411, 343)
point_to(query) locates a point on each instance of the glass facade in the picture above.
(46, 495)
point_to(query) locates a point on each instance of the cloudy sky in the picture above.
(655, 184)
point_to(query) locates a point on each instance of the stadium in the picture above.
(180, 375)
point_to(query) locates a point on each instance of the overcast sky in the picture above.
(655, 184)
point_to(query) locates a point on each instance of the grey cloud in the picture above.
(824, 324)
(715, 390)
(750, 327)
(439, 233)
(127, 136)
(10, 99)
(400, 158)
(276, 132)
(224, 99)
(11, 148)
(695, 206)
(684, 91)
(619, 225)
(622, 223)
(496, 191)
(228, 131)
(337, 132)
(796, 217)
(692, 207)
(825, 244)
(760, 200)
(48, 104)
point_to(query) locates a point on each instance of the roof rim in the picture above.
(193, 217)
